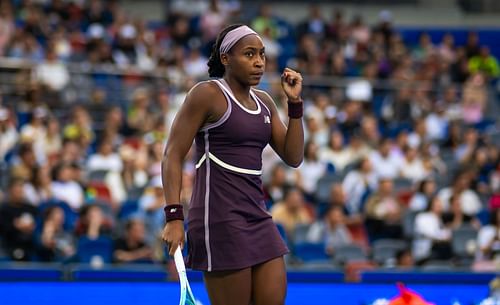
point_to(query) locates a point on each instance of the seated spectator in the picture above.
(292, 211)
(52, 73)
(54, 243)
(412, 167)
(474, 98)
(386, 163)
(420, 200)
(17, 223)
(358, 185)
(404, 259)
(471, 204)
(276, 187)
(331, 230)
(338, 198)
(335, 154)
(65, 188)
(139, 116)
(432, 237)
(39, 189)
(8, 133)
(383, 212)
(132, 247)
(93, 223)
(455, 218)
(105, 159)
(484, 62)
(488, 238)
(311, 170)
(23, 167)
(152, 203)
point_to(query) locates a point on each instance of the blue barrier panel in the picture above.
(426, 277)
(140, 293)
(119, 273)
(30, 272)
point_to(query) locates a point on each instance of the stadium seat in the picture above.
(97, 175)
(438, 265)
(349, 253)
(128, 209)
(385, 250)
(409, 223)
(90, 250)
(463, 241)
(324, 185)
(300, 233)
(70, 216)
(310, 252)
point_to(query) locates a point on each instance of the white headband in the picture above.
(233, 36)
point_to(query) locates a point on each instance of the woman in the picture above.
(231, 236)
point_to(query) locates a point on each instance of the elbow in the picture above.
(295, 162)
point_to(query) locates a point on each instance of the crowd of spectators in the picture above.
(406, 152)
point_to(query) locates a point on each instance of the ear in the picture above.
(224, 58)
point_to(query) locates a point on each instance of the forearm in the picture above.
(172, 177)
(294, 142)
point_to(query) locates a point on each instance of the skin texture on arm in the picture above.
(287, 142)
(198, 108)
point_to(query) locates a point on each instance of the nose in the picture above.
(259, 62)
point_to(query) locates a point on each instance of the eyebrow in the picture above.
(253, 48)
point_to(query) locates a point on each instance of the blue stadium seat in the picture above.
(128, 209)
(100, 248)
(308, 252)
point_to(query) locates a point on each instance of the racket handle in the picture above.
(179, 260)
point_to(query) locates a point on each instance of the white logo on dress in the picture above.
(267, 119)
(173, 210)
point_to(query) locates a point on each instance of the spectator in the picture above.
(456, 218)
(139, 116)
(38, 189)
(132, 248)
(23, 168)
(332, 230)
(386, 162)
(65, 188)
(292, 211)
(17, 223)
(488, 238)
(358, 185)
(8, 134)
(432, 238)
(276, 187)
(93, 223)
(52, 73)
(105, 159)
(484, 62)
(335, 154)
(383, 212)
(54, 243)
(412, 167)
(152, 203)
(474, 98)
(311, 170)
(35, 132)
(404, 259)
(80, 128)
(470, 202)
(420, 200)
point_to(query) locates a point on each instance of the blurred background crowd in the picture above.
(401, 162)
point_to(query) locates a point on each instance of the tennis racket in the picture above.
(187, 297)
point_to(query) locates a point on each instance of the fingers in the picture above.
(291, 77)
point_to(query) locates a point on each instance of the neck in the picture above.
(237, 87)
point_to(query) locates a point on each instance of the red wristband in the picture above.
(295, 110)
(174, 212)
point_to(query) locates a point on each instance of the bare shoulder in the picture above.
(266, 98)
(204, 90)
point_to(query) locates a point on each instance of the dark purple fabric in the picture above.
(241, 231)
(295, 110)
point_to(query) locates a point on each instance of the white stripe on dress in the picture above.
(228, 166)
(207, 207)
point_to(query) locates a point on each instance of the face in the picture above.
(246, 60)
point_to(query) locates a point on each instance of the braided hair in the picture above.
(215, 66)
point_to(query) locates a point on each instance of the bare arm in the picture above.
(197, 109)
(288, 142)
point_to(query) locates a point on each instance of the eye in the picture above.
(249, 54)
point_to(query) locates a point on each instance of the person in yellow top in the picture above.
(484, 62)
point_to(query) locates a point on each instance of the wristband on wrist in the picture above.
(174, 212)
(295, 110)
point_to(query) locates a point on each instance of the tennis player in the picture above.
(231, 237)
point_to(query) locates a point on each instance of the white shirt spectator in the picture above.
(338, 158)
(355, 185)
(436, 126)
(53, 74)
(471, 204)
(413, 170)
(8, 135)
(111, 162)
(418, 202)
(311, 172)
(70, 192)
(488, 234)
(388, 167)
(428, 227)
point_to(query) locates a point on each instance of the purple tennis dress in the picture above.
(228, 225)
